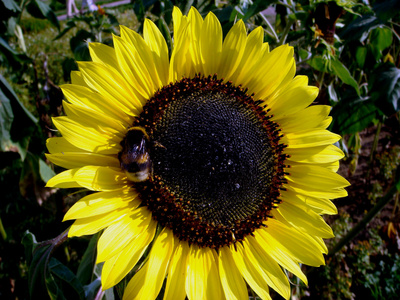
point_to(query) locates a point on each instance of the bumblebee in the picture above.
(135, 157)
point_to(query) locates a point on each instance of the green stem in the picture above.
(3, 231)
(274, 35)
(368, 217)
(286, 32)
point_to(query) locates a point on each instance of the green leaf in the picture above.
(23, 122)
(41, 10)
(385, 10)
(45, 171)
(351, 116)
(79, 45)
(361, 55)
(29, 242)
(318, 63)
(343, 73)
(11, 5)
(359, 29)
(92, 288)
(88, 262)
(6, 119)
(385, 88)
(65, 274)
(381, 38)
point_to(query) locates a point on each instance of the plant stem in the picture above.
(275, 36)
(373, 149)
(2, 231)
(368, 217)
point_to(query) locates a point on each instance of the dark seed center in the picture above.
(216, 154)
(217, 165)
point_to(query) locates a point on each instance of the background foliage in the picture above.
(349, 49)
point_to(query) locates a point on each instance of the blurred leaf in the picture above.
(13, 58)
(360, 28)
(385, 88)
(109, 294)
(351, 116)
(68, 65)
(79, 45)
(70, 24)
(387, 9)
(92, 288)
(343, 73)
(65, 274)
(41, 10)
(29, 242)
(45, 171)
(381, 38)
(6, 119)
(23, 122)
(86, 267)
(256, 7)
(361, 55)
(11, 5)
(318, 63)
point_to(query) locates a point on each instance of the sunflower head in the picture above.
(211, 161)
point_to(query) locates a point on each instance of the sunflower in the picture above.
(209, 170)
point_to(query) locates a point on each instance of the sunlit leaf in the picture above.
(381, 38)
(343, 73)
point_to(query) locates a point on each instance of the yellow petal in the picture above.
(273, 274)
(86, 97)
(103, 54)
(292, 101)
(267, 75)
(210, 44)
(118, 235)
(72, 160)
(232, 50)
(60, 144)
(100, 178)
(250, 57)
(92, 225)
(232, 281)
(77, 78)
(175, 287)
(315, 177)
(107, 126)
(63, 180)
(94, 178)
(117, 267)
(281, 257)
(86, 138)
(299, 215)
(312, 138)
(320, 205)
(101, 203)
(147, 283)
(254, 276)
(202, 280)
(159, 48)
(111, 85)
(298, 245)
(319, 155)
(313, 117)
